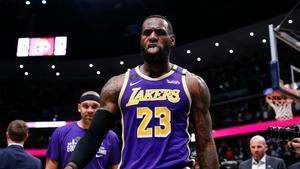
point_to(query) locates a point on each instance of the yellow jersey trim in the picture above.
(174, 67)
(119, 104)
(186, 90)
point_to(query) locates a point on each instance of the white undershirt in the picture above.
(259, 165)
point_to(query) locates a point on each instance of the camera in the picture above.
(284, 133)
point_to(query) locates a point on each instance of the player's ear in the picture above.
(173, 39)
(78, 107)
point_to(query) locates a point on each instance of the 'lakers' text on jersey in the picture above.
(155, 120)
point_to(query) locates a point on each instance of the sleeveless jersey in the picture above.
(155, 119)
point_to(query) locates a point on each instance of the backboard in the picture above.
(285, 59)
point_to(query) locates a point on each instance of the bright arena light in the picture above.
(21, 66)
(217, 44)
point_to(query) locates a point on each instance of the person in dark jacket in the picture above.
(14, 156)
(260, 160)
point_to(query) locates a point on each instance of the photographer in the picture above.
(294, 144)
(292, 136)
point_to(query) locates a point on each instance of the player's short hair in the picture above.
(170, 27)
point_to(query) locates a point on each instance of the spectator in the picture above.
(14, 155)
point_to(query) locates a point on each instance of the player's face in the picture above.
(258, 149)
(156, 40)
(87, 110)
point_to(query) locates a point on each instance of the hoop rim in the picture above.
(276, 94)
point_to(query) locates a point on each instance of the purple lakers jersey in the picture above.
(155, 120)
(64, 140)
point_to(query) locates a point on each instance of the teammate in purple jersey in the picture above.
(156, 100)
(64, 139)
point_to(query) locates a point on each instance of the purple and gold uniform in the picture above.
(65, 138)
(155, 119)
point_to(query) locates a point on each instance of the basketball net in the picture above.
(281, 104)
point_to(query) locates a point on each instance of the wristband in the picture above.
(72, 165)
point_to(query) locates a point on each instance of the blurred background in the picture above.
(225, 42)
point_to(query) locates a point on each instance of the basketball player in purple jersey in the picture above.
(65, 138)
(156, 100)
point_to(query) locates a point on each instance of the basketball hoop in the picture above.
(281, 104)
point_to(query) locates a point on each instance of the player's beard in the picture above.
(159, 57)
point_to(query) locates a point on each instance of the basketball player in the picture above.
(64, 139)
(156, 100)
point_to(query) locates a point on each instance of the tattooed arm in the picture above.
(205, 145)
